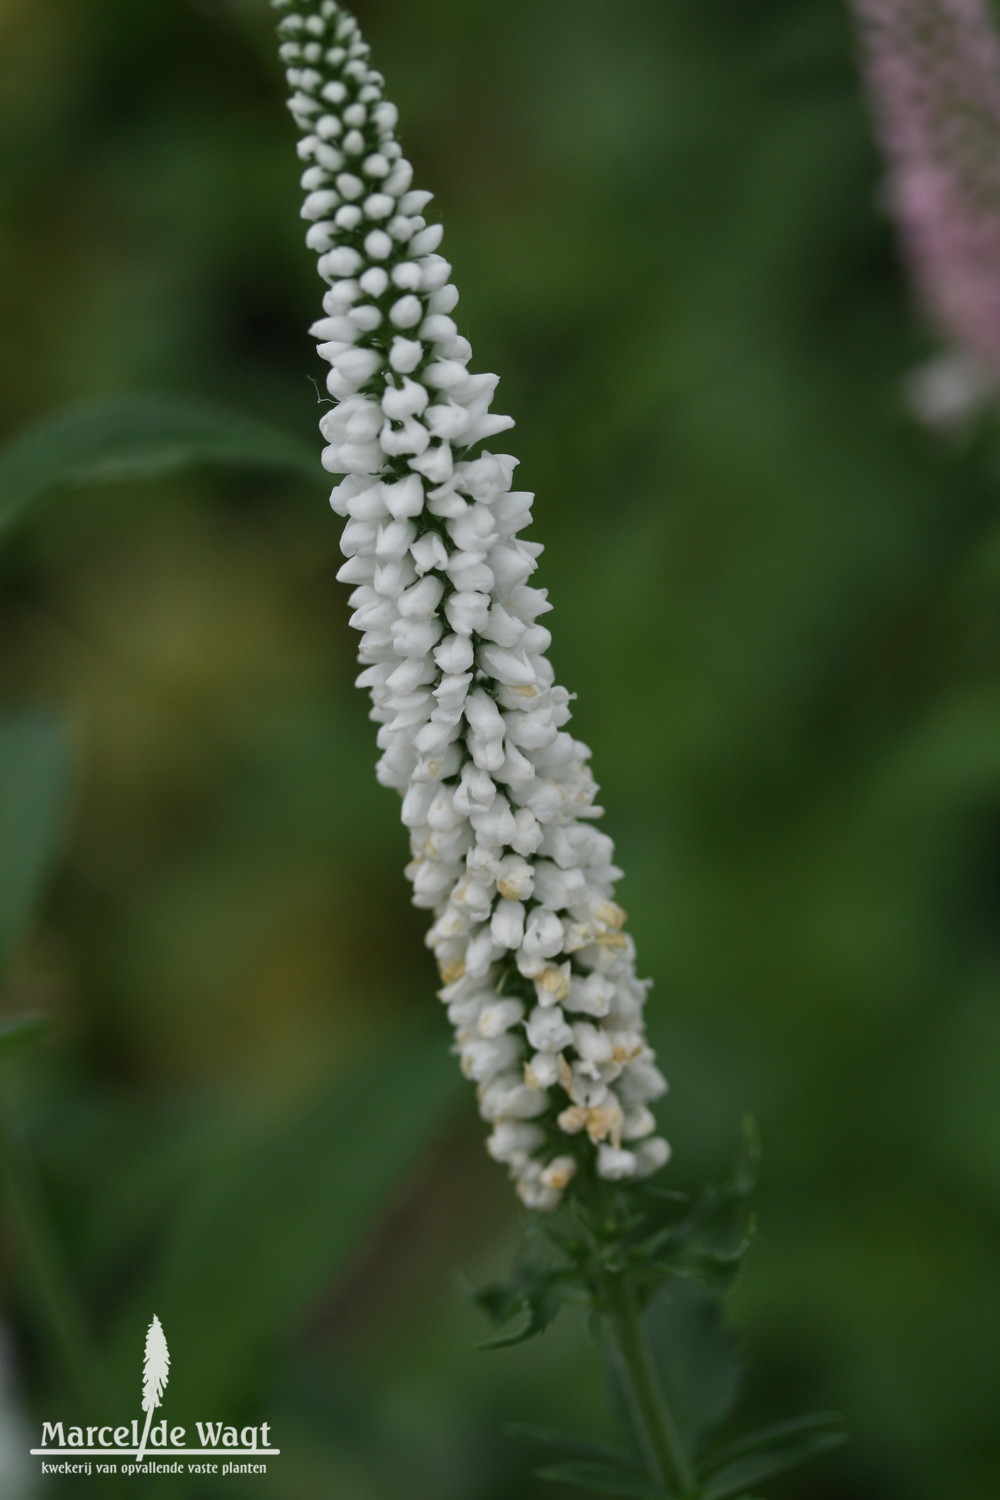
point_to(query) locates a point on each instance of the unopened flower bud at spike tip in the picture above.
(498, 797)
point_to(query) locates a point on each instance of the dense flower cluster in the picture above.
(538, 975)
(933, 70)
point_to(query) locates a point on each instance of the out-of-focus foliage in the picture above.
(777, 598)
(645, 1256)
(32, 807)
(133, 437)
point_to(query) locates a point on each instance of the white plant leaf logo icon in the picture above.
(155, 1373)
(65, 1440)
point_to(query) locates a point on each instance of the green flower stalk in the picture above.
(538, 974)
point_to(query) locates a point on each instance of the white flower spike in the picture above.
(497, 795)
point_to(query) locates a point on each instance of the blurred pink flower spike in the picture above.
(933, 73)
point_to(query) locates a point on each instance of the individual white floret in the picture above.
(614, 1162)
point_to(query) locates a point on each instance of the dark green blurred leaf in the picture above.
(695, 1355)
(769, 1451)
(535, 1295)
(603, 1478)
(33, 782)
(18, 1030)
(130, 437)
(710, 1242)
(543, 1275)
(279, 1218)
(574, 1443)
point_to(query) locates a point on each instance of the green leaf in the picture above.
(33, 787)
(539, 1283)
(710, 1242)
(695, 1356)
(570, 1442)
(603, 1478)
(770, 1451)
(278, 1218)
(776, 1432)
(537, 1305)
(131, 437)
(17, 1031)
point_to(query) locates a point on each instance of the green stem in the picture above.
(651, 1415)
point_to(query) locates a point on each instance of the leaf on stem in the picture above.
(695, 1356)
(133, 437)
(534, 1295)
(547, 1272)
(710, 1242)
(576, 1444)
(603, 1478)
(771, 1450)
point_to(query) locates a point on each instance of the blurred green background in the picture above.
(778, 601)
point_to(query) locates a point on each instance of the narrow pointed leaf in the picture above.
(709, 1242)
(695, 1355)
(533, 1296)
(793, 1430)
(604, 1479)
(769, 1452)
(33, 784)
(129, 437)
(577, 1444)
(537, 1316)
